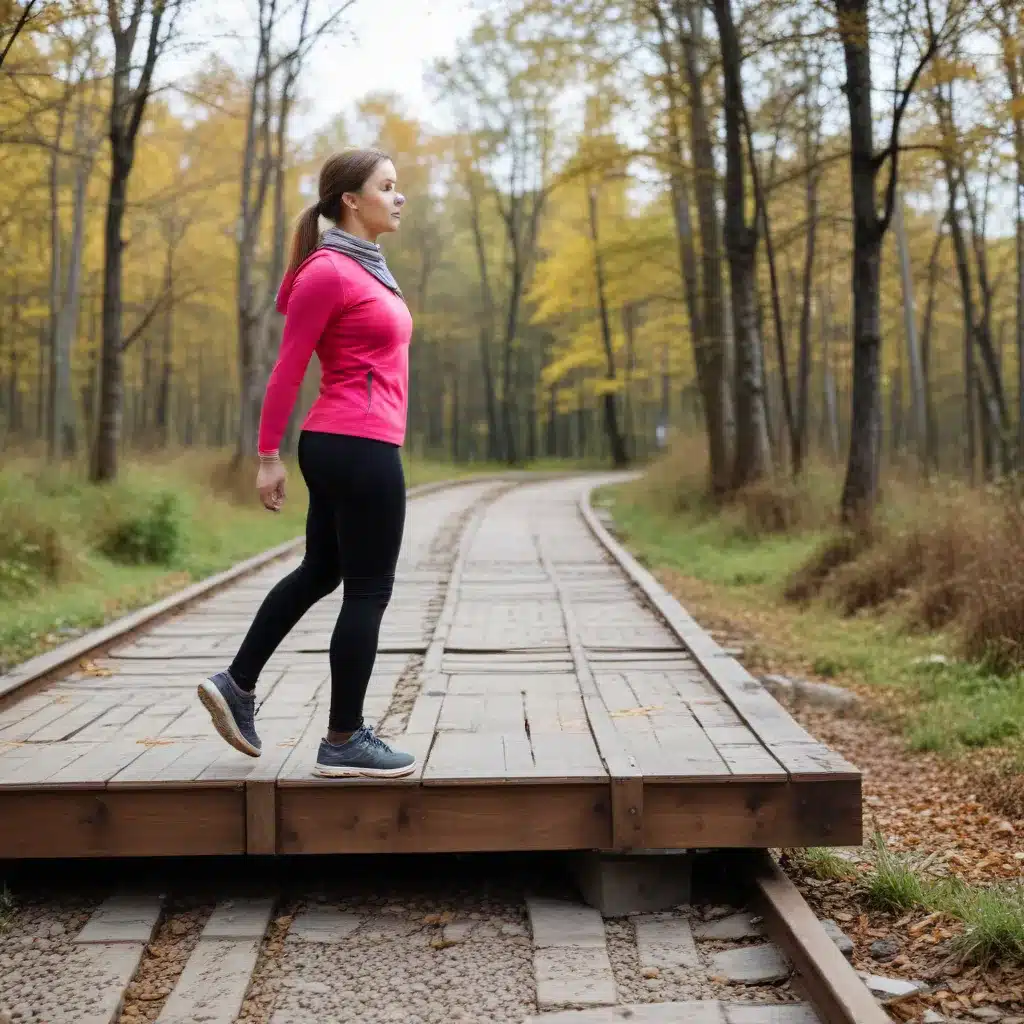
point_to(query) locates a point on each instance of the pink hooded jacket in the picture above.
(360, 331)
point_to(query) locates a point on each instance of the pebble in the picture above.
(843, 942)
(884, 949)
(890, 987)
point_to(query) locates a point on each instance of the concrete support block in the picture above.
(643, 882)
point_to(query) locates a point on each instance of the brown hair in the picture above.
(343, 172)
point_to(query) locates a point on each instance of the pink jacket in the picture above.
(360, 331)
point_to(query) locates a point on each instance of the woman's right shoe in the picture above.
(363, 755)
(233, 711)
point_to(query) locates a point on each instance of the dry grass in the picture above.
(836, 552)
(954, 560)
(939, 554)
(678, 483)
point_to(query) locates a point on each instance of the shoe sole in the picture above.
(223, 721)
(350, 772)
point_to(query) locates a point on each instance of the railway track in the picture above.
(418, 939)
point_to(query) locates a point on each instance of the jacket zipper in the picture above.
(369, 390)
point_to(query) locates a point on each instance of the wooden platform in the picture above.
(550, 704)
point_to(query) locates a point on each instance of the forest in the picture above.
(795, 230)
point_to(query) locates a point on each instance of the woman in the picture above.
(341, 300)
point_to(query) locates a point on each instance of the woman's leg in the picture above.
(229, 695)
(371, 520)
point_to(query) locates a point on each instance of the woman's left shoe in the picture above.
(363, 755)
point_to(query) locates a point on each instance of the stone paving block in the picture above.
(665, 942)
(729, 929)
(889, 988)
(386, 926)
(213, 984)
(752, 965)
(697, 1012)
(561, 923)
(239, 919)
(770, 1013)
(458, 931)
(123, 917)
(105, 968)
(574, 975)
(323, 924)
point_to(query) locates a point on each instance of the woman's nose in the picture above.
(400, 200)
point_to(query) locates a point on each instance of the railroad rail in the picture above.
(563, 704)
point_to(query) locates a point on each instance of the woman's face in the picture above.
(376, 207)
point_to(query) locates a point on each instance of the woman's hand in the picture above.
(270, 483)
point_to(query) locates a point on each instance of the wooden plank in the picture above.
(51, 712)
(567, 756)
(442, 819)
(758, 814)
(261, 816)
(771, 723)
(465, 758)
(97, 823)
(96, 765)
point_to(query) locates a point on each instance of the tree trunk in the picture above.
(256, 171)
(931, 431)
(803, 383)
(53, 433)
(163, 397)
(711, 345)
(611, 423)
(486, 333)
(127, 106)
(860, 488)
(753, 458)
(830, 410)
(917, 402)
(111, 369)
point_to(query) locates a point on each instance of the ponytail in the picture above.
(306, 236)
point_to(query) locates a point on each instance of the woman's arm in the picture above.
(314, 296)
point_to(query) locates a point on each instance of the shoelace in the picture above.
(375, 739)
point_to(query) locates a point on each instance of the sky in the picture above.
(384, 45)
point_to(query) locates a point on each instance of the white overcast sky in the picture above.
(384, 45)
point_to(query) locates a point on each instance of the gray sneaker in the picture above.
(364, 754)
(233, 711)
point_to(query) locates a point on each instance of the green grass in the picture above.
(893, 885)
(74, 556)
(953, 707)
(992, 915)
(825, 864)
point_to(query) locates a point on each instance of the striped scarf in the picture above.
(366, 254)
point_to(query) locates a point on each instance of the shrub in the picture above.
(147, 533)
(838, 550)
(34, 545)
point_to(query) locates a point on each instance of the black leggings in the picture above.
(353, 533)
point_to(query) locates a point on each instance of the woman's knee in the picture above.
(376, 590)
(320, 579)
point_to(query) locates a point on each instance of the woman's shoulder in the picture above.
(318, 277)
